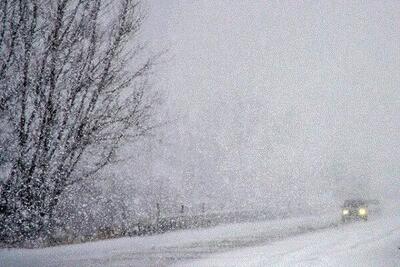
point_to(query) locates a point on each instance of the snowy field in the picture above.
(307, 241)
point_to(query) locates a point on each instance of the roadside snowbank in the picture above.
(164, 249)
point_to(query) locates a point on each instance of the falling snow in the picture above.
(234, 128)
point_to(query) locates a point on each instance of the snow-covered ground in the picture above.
(307, 241)
(373, 243)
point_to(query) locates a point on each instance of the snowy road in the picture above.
(373, 243)
(305, 241)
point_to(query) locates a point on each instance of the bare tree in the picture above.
(73, 89)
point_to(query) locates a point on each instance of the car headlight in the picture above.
(345, 212)
(362, 211)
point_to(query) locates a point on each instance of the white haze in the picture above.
(285, 104)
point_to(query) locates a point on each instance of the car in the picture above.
(355, 209)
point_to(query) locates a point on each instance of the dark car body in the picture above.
(355, 209)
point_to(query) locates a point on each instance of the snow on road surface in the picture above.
(164, 249)
(372, 243)
(307, 241)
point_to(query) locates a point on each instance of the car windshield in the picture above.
(354, 203)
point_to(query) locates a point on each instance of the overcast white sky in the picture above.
(284, 88)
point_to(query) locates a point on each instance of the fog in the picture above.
(276, 104)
